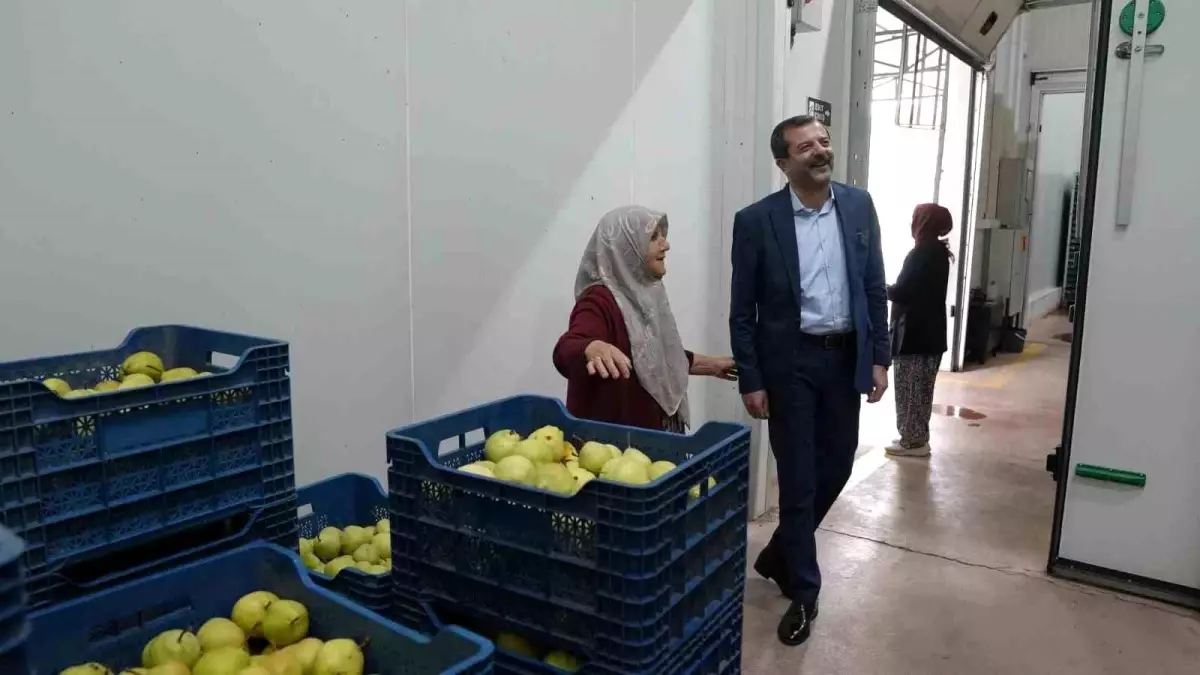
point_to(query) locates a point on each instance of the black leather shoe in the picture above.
(796, 624)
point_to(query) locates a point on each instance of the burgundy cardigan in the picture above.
(597, 316)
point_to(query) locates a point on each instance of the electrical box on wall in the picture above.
(807, 15)
(1011, 208)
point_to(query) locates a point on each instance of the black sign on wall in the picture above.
(821, 110)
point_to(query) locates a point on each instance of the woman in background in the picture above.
(918, 327)
(622, 355)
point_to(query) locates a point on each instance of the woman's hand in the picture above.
(720, 367)
(607, 361)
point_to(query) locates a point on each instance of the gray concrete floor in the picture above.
(936, 566)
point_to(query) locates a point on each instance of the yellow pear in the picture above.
(177, 374)
(501, 444)
(249, 611)
(511, 642)
(86, 669)
(338, 657)
(337, 565)
(61, 388)
(283, 663)
(143, 363)
(366, 553)
(328, 544)
(220, 632)
(353, 537)
(382, 542)
(564, 661)
(305, 652)
(660, 468)
(173, 645)
(222, 661)
(136, 380)
(285, 623)
(694, 493)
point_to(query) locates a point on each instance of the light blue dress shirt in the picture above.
(824, 280)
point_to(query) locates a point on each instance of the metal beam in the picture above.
(1030, 5)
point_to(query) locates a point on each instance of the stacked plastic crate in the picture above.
(633, 579)
(111, 627)
(113, 485)
(14, 627)
(347, 499)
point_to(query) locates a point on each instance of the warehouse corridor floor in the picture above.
(936, 566)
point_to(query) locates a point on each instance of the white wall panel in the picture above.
(240, 167)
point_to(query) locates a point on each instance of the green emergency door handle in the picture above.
(1110, 475)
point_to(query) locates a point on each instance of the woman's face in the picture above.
(656, 255)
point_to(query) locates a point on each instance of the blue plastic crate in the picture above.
(713, 645)
(113, 625)
(83, 478)
(614, 572)
(13, 625)
(273, 523)
(348, 499)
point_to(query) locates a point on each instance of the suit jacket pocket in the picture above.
(861, 240)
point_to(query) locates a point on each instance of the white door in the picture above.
(1138, 379)
(1056, 111)
(958, 164)
(958, 291)
(974, 26)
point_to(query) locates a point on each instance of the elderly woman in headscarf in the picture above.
(622, 354)
(918, 327)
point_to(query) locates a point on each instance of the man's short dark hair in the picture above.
(779, 146)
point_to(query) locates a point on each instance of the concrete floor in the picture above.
(937, 566)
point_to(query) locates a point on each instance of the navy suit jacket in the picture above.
(764, 312)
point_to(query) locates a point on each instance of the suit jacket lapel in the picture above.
(847, 212)
(783, 222)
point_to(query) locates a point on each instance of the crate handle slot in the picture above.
(142, 558)
(464, 440)
(137, 622)
(223, 361)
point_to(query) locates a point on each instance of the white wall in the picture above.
(1057, 37)
(272, 168)
(1040, 40)
(239, 167)
(818, 65)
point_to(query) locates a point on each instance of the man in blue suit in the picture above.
(808, 324)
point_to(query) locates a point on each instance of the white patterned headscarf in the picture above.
(616, 258)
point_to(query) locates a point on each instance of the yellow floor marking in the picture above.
(1001, 375)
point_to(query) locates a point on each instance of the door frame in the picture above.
(978, 147)
(862, 66)
(1042, 83)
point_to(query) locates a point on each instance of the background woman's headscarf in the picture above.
(616, 258)
(931, 222)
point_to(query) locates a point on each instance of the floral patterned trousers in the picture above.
(915, 375)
